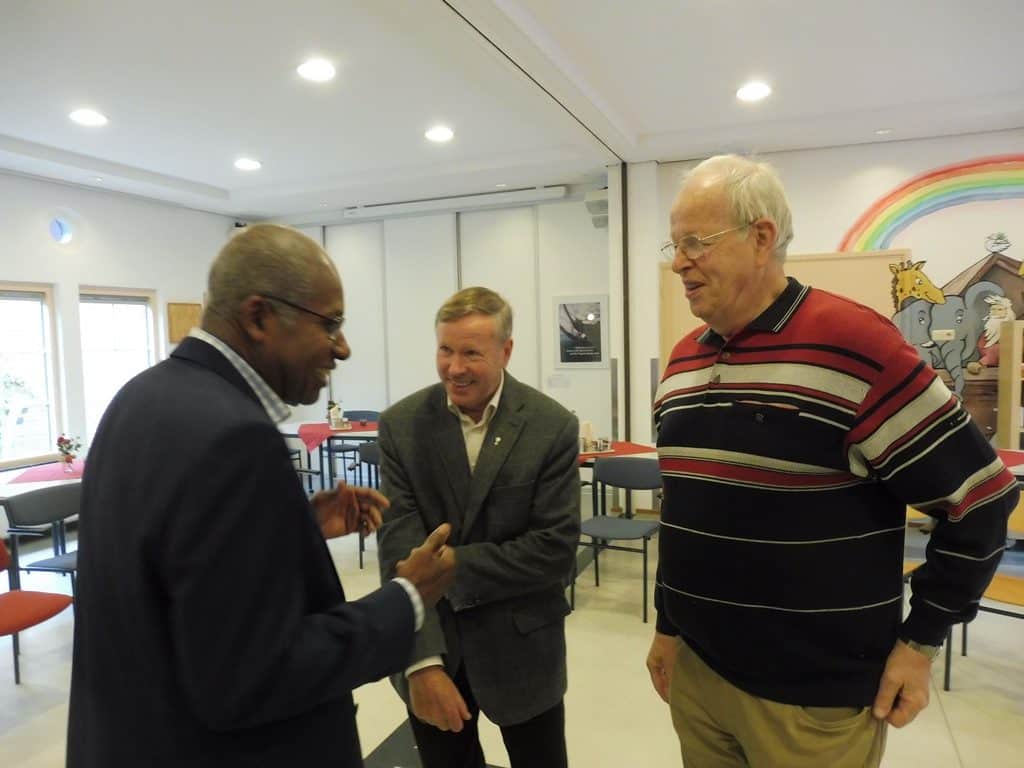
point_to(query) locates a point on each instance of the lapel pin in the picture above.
(497, 441)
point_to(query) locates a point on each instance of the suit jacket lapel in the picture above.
(451, 447)
(502, 435)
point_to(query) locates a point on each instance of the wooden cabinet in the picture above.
(1011, 352)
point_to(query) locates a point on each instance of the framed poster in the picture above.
(581, 331)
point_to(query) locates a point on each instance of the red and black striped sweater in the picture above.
(789, 453)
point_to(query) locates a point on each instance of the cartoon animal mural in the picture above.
(925, 323)
(910, 282)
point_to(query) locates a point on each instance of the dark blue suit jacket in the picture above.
(211, 628)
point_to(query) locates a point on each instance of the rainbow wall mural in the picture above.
(986, 178)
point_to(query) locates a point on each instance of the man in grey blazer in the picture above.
(498, 461)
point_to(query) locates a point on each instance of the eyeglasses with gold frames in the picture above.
(695, 248)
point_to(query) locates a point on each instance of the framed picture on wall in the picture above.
(581, 331)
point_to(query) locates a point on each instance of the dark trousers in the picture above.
(537, 743)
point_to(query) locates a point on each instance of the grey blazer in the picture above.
(515, 524)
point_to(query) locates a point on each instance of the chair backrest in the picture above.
(638, 474)
(362, 415)
(369, 453)
(5, 557)
(44, 505)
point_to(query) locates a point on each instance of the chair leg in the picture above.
(17, 666)
(645, 580)
(963, 639)
(597, 563)
(362, 548)
(949, 659)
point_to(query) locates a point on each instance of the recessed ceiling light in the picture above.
(323, 205)
(247, 164)
(97, 178)
(316, 70)
(88, 117)
(754, 91)
(500, 186)
(883, 131)
(440, 134)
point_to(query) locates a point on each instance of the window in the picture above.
(117, 343)
(28, 396)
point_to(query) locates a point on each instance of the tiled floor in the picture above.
(614, 719)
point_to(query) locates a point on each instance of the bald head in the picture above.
(267, 260)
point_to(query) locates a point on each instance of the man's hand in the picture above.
(348, 509)
(431, 566)
(435, 700)
(903, 691)
(660, 661)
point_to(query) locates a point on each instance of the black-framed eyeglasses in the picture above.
(693, 247)
(332, 325)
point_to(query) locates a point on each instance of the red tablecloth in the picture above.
(619, 448)
(312, 435)
(47, 472)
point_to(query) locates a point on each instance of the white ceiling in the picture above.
(539, 92)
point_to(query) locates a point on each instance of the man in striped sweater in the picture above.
(793, 429)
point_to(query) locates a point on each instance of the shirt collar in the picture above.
(489, 409)
(275, 407)
(773, 319)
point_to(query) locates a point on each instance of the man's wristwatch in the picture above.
(931, 651)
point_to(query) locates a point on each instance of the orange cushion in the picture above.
(20, 610)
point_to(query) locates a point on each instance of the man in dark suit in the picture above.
(211, 627)
(498, 461)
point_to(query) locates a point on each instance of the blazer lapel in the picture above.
(502, 436)
(451, 448)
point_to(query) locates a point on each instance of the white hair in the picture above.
(754, 191)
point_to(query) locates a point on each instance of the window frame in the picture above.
(54, 366)
(101, 294)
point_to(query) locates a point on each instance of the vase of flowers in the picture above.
(69, 448)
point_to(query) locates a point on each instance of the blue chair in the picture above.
(632, 474)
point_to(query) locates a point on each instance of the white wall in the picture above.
(119, 242)
(498, 250)
(573, 260)
(419, 274)
(358, 250)
(396, 274)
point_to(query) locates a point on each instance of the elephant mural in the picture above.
(964, 315)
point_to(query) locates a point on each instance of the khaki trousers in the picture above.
(720, 726)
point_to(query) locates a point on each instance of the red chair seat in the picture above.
(20, 609)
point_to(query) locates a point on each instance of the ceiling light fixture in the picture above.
(316, 70)
(89, 117)
(440, 134)
(755, 90)
(247, 164)
(500, 186)
(883, 131)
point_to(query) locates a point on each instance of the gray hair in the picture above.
(478, 301)
(754, 191)
(265, 259)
